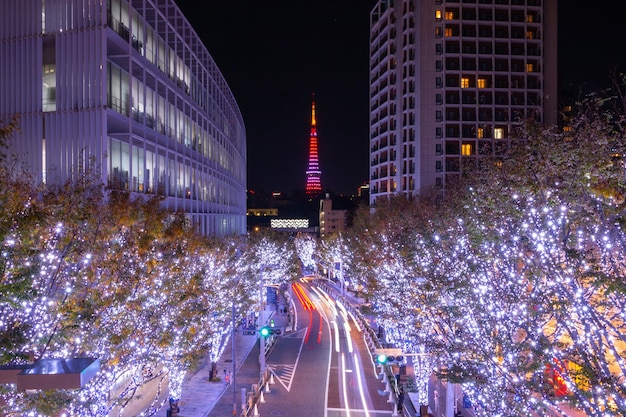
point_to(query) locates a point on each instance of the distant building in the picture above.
(280, 212)
(265, 212)
(260, 218)
(331, 221)
(450, 81)
(131, 85)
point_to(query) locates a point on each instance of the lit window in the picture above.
(448, 31)
(529, 18)
(464, 82)
(449, 15)
(466, 149)
(498, 133)
(482, 83)
(438, 14)
(530, 68)
(480, 133)
(49, 85)
(438, 32)
(529, 34)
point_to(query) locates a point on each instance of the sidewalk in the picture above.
(200, 395)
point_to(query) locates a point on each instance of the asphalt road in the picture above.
(324, 369)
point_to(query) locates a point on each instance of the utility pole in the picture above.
(261, 324)
(343, 281)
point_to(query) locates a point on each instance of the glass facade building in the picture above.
(130, 85)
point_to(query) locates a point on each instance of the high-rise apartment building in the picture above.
(450, 80)
(129, 84)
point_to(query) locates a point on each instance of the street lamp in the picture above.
(338, 267)
(262, 318)
(261, 324)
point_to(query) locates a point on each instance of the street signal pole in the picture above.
(261, 323)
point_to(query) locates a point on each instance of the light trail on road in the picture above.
(360, 382)
(345, 385)
(349, 364)
(351, 357)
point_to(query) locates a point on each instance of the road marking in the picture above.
(284, 374)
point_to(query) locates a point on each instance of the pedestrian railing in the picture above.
(256, 395)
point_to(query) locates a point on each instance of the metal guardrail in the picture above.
(256, 395)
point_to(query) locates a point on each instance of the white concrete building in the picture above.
(449, 81)
(130, 84)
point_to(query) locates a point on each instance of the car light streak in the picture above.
(341, 317)
(330, 303)
(308, 328)
(345, 387)
(336, 327)
(356, 323)
(346, 325)
(319, 333)
(360, 382)
(303, 297)
(340, 305)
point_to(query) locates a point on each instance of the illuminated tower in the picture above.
(313, 173)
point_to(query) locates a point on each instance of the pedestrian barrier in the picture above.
(255, 396)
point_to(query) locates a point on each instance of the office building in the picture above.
(332, 220)
(450, 81)
(130, 85)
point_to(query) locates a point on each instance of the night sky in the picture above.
(276, 54)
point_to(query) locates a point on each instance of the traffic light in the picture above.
(382, 358)
(389, 357)
(266, 331)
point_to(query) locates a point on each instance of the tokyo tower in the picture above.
(313, 174)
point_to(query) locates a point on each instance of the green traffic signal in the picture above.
(385, 359)
(265, 331)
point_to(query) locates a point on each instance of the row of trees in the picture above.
(85, 272)
(513, 283)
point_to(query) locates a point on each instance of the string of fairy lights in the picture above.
(145, 311)
(519, 299)
(524, 311)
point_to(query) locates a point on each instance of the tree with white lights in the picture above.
(392, 259)
(521, 288)
(116, 279)
(306, 247)
(273, 256)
